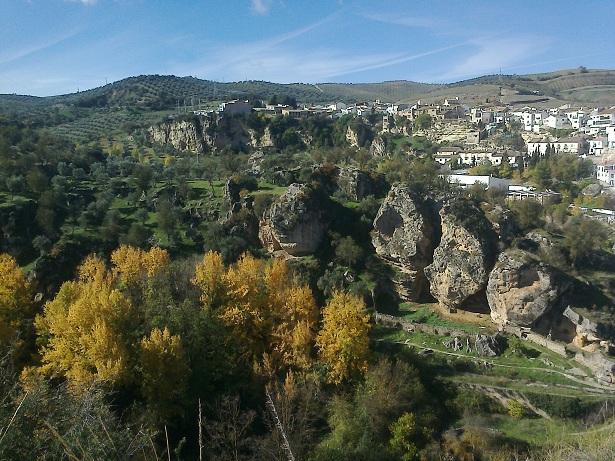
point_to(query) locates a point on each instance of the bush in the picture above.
(516, 409)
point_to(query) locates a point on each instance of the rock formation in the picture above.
(463, 259)
(522, 289)
(181, 134)
(352, 137)
(294, 224)
(378, 147)
(357, 184)
(405, 235)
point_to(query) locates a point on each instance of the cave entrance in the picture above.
(477, 303)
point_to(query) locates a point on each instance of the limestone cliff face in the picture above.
(405, 234)
(352, 137)
(522, 289)
(294, 224)
(378, 147)
(181, 134)
(208, 132)
(463, 259)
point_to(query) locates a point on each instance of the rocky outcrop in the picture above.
(522, 289)
(405, 234)
(378, 147)
(352, 137)
(357, 184)
(181, 134)
(260, 140)
(589, 333)
(489, 345)
(463, 259)
(294, 224)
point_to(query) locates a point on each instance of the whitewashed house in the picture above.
(557, 121)
(596, 145)
(610, 135)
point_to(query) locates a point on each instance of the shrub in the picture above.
(516, 409)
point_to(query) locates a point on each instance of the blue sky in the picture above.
(59, 46)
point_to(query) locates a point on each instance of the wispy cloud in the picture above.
(494, 54)
(404, 20)
(10, 56)
(275, 59)
(260, 7)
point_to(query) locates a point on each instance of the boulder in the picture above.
(489, 346)
(405, 234)
(294, 223)
(463, 259)
(522, 289)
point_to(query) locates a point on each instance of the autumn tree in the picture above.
(84, 329)
(15, 302)
(164, 370)
(270, 314)
(209, 278)
(293, 315)
(343, 341)
(131, 264)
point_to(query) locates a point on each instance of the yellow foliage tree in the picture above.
(85, 327)
(268, 311)
(15, 300)
(343, 341)
(209, 278)
(165, 370)
(294, 327)
(132, 264)
(245, 309)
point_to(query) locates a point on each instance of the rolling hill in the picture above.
(146, 98)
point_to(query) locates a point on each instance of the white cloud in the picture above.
(260, 7)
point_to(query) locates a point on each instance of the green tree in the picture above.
(423, 122)
(347, 251)
(582, 237)
(403, 435)
(529, 213)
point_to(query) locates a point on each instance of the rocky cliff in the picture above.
(198, 134)
(405, 234)
(294, 224)
(463, 259)
(522, 289)
(181, 134)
